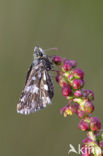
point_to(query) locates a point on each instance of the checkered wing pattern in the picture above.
(38, 90)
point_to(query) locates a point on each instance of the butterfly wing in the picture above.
(38, 90)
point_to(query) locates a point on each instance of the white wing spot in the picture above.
(21, 111)
(33, 105)
(23, 98)
(33, 78)
(39, 75)
(44, 101)
(44, 104)
(38, 108)
(45, 87)
(26, 111)
(28, 88)
(32, 89)
(35, 89)
(44, 77)
(36, 67)
(48, 100)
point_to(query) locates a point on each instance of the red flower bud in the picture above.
(67, 66)
(65, 84)
(61, 81)
(77, 84)
(74, 107)
(57, 78)
(78, 73)
(85, 93)
(101, 144)
(57, 60)
(88, 94)
(74, 63)
(66, 91)
(95, 124)
(83, 125)
(78, 93)
(87, 140)
(62, 109)
(88, 107)
(81, 114)
(70, 77)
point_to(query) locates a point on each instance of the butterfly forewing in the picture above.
(38, 90)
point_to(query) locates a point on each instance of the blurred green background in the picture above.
(76, 28)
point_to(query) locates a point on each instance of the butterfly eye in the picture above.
(40, 54)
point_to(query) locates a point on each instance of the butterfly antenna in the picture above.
(50, 49)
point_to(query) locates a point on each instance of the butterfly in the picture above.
(38, 90)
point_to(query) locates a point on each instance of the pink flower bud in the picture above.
(78, 93)
(95, 124)
(57, 78)
(87, 140)
(83, 125)
(74, 63)
(61, 81)
(77, 84)
(74, 107)
(62, 109)
(70, 77)
(65, 107)
(57, 60)
(67, 66)
(81, 114)
(78, 73)
(65, 60)
(66, 91)
(88, 107)
(65, 84)
(101, 144)
(85, 93)
(88, 94)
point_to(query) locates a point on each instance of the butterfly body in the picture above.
(38, 90)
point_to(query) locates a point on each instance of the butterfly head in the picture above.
(38, 52)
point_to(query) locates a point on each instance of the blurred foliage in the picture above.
(76, 28)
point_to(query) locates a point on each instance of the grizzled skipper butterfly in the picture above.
(38, 90)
